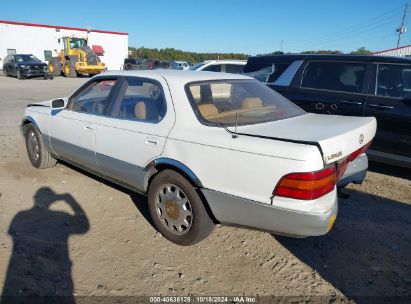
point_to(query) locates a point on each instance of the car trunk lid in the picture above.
(336, 136)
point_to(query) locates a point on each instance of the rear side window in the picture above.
(268, 73)
(393, 80)
(334, 76)
(234, 68)
(139, 99)
(279, 69)
(94, 98)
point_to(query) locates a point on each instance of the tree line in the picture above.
(170, 54)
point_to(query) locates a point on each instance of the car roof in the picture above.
(225, 61)
(293, 57)
(178, 75)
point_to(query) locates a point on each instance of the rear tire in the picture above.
(177, 210)
(38, 155)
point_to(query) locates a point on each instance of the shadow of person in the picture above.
(39, 270)
(367, 255)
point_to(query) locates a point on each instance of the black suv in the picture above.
(135, 64)
(25, 66)
(348, 85)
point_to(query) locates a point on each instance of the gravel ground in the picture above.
(66, 232)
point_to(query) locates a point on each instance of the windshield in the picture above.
(244, 102)
(77, 43)
(197, 66)
(26, 58)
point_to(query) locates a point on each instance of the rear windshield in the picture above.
(242, 102)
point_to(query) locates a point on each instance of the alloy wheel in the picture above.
(174, 209)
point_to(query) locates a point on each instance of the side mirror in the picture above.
(57, 104)
(59, 40)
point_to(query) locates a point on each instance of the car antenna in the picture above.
(234, 135)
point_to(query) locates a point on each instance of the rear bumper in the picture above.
(356, 171)
(235, 211)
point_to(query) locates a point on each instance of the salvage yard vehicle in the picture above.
(204, 147)
(75, 58)
(25, 66)
(354, 85)
(225, 66)
(136, 64)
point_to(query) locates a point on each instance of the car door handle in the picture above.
(151, 141)
(380, 106)
(88, 128)
(351, 102)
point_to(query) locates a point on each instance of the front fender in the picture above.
(25, 121)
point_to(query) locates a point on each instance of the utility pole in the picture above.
(402, 29)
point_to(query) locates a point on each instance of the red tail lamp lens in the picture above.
(307, 185)
(358, 152)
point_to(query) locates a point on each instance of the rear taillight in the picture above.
(307, 185)
(358, 152)
(312, 185)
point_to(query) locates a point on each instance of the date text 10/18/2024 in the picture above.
(203, 299)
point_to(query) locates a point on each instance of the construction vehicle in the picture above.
(75, 58)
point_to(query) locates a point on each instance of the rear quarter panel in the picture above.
(246, 167)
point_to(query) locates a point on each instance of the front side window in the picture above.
(140, 99)
(234, 68)
(334, 76)
(244, 102)
(213, 68)
(393, 80)
(94, 98)
(197, 66)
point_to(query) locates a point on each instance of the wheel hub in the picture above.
(174, 209)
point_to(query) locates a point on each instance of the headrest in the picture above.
(140, 110)
(208, 109)
(251, 103)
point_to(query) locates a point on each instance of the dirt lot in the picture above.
(63, 231)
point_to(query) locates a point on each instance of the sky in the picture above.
(250, 27)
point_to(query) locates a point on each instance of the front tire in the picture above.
(177, 210)
(38, 155)
(55, 67)
(19, 75)
(69, 70)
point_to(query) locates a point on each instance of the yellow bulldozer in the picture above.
(75, 58)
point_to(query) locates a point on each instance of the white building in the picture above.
(41, 40)
(403, 51)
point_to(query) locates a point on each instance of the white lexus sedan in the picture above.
(205, 148)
